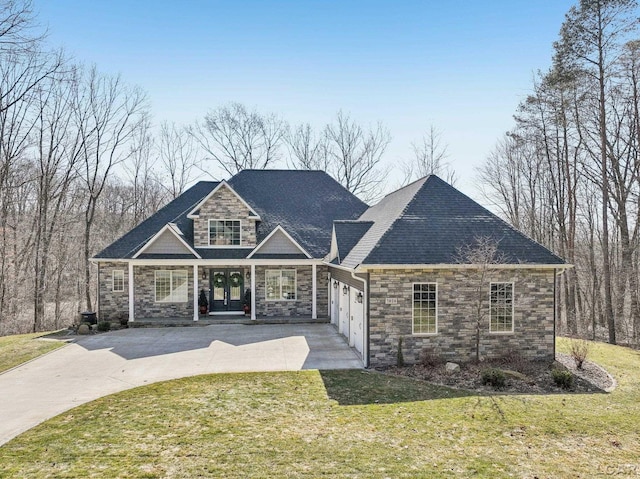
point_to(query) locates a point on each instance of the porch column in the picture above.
(195, 293)
(314, 292)
(131, 301)
(253, 292)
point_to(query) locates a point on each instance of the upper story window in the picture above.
(501, 308)
(224, 233)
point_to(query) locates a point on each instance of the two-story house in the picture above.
(297, 244)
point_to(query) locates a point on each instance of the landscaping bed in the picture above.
(520, 376)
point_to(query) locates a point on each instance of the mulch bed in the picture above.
(522, 377)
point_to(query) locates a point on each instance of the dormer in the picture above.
(224, 220)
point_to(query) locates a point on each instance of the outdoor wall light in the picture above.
(248, 275)
(335, 285)
(345, 289)
(359, 297)
(204, 274)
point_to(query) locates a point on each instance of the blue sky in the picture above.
(462, 66)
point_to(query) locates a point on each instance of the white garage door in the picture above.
(343, 305)
(356, 321)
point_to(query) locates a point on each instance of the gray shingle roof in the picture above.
(429, 221)
(348, 234)
(304, 203)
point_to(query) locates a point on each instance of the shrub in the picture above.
(400, 358)
(579, 351)
(104, 326)
(562, 378)
(429, 359)
(493, 377)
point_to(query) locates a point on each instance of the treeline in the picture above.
(568, 173)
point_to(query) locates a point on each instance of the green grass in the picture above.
(15, 350)
(338, 424)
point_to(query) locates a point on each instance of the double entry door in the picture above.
(227, 290)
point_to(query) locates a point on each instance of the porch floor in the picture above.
(224, 319)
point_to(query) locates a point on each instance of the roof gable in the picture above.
(168, 241)
(279, 243)
(195, 212)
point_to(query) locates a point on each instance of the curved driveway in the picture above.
(94, 366)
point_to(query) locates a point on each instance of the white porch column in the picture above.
(253, 292)
(131, 301)
(314, 292)
(195, 293)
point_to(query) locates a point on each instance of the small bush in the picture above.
(494, 378)
(562, 378)
(400, 358)
(104, 326)
(579, 351)
(429, 359)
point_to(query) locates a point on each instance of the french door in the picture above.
(227, 290)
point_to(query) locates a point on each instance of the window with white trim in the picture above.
(501, 308)
(118, 280)
(425, 308)
(171, 286)
(224, 233)
(280, 284)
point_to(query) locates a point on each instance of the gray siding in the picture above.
(345, 277)
(167, 243)
(279, 244)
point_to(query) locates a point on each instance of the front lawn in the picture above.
(15, 350)
(338, 424)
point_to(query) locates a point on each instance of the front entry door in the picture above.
(227, 286)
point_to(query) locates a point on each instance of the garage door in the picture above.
(356, 320)
(343, 306)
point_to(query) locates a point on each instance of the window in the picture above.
(171, 286)
(224, 232)
(425, 308)
(501, 308)
(280, 284)
(118, 280)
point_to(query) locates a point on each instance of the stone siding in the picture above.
(224, 205)
(533, 335)
(145, 294)
(302, 305)
(112, 304)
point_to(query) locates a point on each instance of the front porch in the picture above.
(223, 319)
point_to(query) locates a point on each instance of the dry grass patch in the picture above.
(20, 348)
(337, 424)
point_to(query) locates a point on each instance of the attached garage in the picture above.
(348, 308)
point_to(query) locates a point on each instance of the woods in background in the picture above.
(568, 172)
(81, 164)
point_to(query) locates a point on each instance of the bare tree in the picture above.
(356, 154)
(429, 158)
(178, 156)
(483, 255)
(308, 150)
(236, 139)
(107, 114)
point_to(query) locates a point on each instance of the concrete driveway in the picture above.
(94, 366)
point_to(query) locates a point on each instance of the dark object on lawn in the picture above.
(89, 317)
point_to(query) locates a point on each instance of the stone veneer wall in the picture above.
(302, 305)
(144, 294)
(112, 304)
(533, 335)
(224, 205)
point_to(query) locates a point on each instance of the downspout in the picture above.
(98, 289)
(555, 308)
